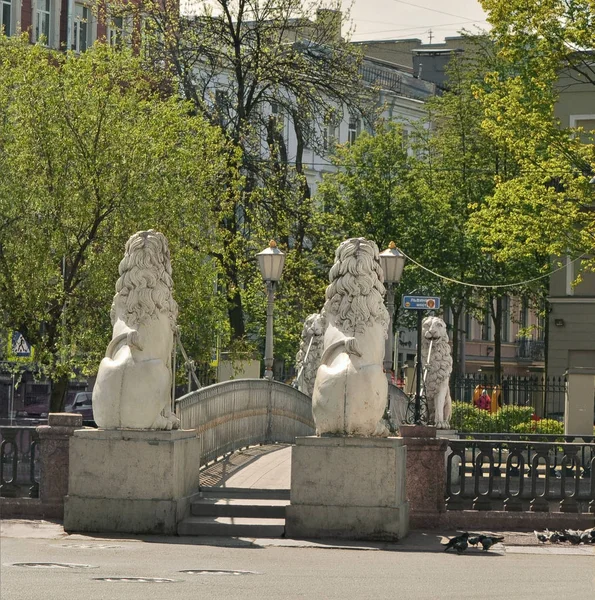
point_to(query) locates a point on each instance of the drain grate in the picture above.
(53, 565)
(218, 572)
(135, 579)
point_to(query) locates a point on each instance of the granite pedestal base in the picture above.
(130, 481)
(348, 487)
(426, 475)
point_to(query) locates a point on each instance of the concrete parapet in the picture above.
(348, 487)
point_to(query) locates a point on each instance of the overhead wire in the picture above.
(486, 286)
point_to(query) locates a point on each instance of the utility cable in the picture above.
(502, 285)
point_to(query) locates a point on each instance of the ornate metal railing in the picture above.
(539, 473)
(545, 395)
(242, 412)
(19, 471)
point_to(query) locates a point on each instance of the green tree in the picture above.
(257, 69)
(545, 49)
(90, 153)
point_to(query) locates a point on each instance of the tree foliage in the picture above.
(90, 153)
(259, 69)
(545, 50)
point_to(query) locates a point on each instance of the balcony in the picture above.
(530, 349)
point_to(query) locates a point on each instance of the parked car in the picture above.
(82, 404)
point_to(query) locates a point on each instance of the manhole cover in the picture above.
(217, 572)
(135, 579)
(89, 546)
(53, 565)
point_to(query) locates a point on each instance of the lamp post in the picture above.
(392, 262)
(270, 263)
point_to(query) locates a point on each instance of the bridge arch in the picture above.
(242, 412)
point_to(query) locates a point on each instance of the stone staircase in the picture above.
(237, 512)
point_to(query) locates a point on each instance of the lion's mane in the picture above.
(144, 287)
(356, 291)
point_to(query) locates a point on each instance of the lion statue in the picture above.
(134, 381)
(437, 362)
(308, 357)
(350, 391)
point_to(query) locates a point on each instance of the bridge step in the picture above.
(240, 507)
(249, 493)
(237, 512)
(232, 527)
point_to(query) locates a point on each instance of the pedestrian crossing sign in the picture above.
(19, 347)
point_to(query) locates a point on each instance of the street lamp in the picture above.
(392, 261)
(270, 263)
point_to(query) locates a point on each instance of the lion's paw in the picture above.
(442, 425)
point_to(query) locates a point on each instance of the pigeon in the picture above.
(461, 546)
(555, 537)
(459, 539)
(541, 537)
(574, 537)
(586, 537)
(475, 540)
(488, 542)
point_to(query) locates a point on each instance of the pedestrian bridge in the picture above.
(245, 412)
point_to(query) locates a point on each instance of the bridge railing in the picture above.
(241, 412)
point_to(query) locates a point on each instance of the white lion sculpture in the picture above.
(437, 361)
(308, 357)
(350, 391)
(133, 387)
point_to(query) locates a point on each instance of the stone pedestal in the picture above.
(54, 440)
(426, 475)
(131, 481)
(348, 487)
(578, 406)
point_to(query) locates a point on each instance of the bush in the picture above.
(466, 417)
(549, 426)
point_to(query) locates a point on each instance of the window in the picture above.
(486, 329)
(353, 130)
(524, 314)
(505, 318)
(81, 28)
(330, 136)
(467, 326)
(115, 32)
(6, 16)
(42, 21)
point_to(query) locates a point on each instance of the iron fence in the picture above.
(519, 473)
(514, 404)
(19, 467)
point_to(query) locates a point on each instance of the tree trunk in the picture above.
(58, 396)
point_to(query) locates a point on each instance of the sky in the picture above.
(399, 19)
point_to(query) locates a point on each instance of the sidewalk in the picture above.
(416, 541)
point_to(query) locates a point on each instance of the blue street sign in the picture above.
(421, 302)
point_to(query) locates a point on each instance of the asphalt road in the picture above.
(228, 569)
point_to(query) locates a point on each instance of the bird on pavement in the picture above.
(459, 540)
(554, 537)
(488, 542)
(574, 537)
(542, 537)
(586, 537)
(473, 541)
